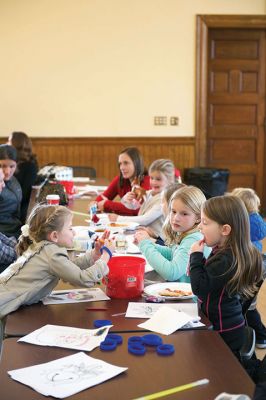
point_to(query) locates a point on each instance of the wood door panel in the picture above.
(234, 49)
(229, 114)
(233, 152)
(241, 180)
(236, 131)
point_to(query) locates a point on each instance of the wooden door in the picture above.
(236, 104)
(231, 134)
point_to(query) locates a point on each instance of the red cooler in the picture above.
(126, 277)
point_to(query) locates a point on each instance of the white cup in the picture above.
(52, 199)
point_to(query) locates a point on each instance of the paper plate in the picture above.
(154, 290)
(129, 226)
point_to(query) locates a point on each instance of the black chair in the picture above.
(248, 349)
(89, 172)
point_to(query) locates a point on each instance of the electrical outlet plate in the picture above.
(174, 121)
(160, 120)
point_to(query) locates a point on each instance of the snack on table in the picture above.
(175, 293)
(116, 225)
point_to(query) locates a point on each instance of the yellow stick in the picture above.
(173, 390)
(80, 213)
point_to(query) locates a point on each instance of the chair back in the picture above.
(89, 172)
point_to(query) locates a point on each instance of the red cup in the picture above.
(69, 187)
(52, 199)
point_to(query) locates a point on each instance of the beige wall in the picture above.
(102, 67)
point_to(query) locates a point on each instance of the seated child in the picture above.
(181, 231)
(44, 260)
(231, 272)
(162, 173)
(257, 223)
(257, 233)
(165, 199)
(7, 245)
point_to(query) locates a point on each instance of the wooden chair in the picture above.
(89, 172)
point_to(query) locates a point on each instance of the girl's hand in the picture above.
(129, 197)
(148, 230)
(109, 243)
(112, 217)
(100, 204)
(197, 246)
(140, 235)
(99, 242)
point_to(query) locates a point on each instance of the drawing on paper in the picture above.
(69, 373)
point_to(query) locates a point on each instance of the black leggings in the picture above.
(234, 340)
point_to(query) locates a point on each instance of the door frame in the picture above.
(204, 23)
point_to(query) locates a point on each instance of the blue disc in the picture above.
(136, 349)
(98, 323)
(117, 338)
(135, 340)
(108, 345)
(165, 349)
(152, 340)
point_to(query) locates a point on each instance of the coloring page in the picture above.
(67, 337)
(75, 296)
(147, 310)
(66, 376)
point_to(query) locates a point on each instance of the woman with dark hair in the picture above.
(10, 198)
(27, 167)
(131, 165)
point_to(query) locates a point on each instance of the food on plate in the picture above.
(116, 225)
(175, 293)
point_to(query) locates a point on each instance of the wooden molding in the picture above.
(102, 152)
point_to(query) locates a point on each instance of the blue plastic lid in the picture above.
(108, 345)
(137, 349)
(165, 349)
(135, 339)
(152, 340)
(98, 323)
(117, 338)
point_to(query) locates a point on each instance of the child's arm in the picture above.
(161, 259)
(81, 272)
(7, 249)
(146, 218)
(211, 277)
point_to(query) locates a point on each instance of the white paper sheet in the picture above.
(66, 376)
(166, 320)
(75, 296)
(88, 189)
(67, 337)
(147, 310)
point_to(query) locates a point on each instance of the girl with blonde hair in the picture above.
(162, 174)
(43, 259)
(180, 230)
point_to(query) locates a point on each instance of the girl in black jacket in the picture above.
(232, 271)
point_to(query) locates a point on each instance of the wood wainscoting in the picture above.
(101, 153)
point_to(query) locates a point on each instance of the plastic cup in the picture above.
(52, 199)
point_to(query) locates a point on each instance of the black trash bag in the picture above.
(212, 181)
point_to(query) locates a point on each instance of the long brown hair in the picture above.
(23, 145)
(247, 260)
(137, 159)
(42, 220)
